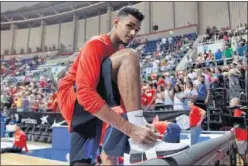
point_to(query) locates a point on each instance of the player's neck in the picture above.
(114, 39)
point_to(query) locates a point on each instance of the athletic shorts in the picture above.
(86, 128)
(116, 142)
(241, 147)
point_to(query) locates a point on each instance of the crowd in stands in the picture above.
(225, 33)
(25, 88)
(172, 90)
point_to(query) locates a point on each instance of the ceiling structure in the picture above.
(53, 11)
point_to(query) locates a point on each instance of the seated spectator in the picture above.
(199, 60)
(218, 79)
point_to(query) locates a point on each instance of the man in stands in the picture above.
(89, 90)
(20, 142)
(240, 133)
(196, 117)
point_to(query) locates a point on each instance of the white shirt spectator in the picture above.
(170, 40)
(178, 104)
(167, 99)
(164, 40)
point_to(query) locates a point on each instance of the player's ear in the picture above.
(116, 21)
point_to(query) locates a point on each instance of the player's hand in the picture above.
(143, 135)
(152, 127)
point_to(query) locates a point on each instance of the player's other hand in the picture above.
(143, 135)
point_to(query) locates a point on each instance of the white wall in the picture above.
(5, 41)
(92, 27)
(80, 32)
(35, 38)
(51, 35)
(141, 7)
(104, 23)
(162, 15)
(66, 34)
(21, 40)
(213, 13)
(238, 12)
(186, 12)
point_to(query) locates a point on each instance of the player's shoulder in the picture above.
(100, 40)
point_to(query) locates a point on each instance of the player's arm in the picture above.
(87, 79)
(203, 115)
(24, 139)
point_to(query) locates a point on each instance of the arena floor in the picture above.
(21, 159)
(39, 154)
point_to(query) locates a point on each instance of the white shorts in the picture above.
(241, 147)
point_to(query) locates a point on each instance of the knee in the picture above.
(131, 55)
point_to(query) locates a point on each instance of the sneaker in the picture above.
(161, 149)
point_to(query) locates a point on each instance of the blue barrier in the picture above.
(61, 138)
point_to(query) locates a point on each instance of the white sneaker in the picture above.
(139, 152)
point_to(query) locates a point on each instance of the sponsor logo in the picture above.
(29, 121)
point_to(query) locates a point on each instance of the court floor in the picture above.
(19, 159)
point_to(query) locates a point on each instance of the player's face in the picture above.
(127, 28)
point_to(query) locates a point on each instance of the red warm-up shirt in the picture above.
(20, 140)
(194, 116)
(85, 72)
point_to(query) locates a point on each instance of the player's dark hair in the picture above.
(125, 11)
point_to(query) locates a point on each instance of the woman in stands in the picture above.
(168, 97)
(178, 98)
(160, 98)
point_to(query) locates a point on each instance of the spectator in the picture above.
(202, 93)
(228, 52)
(178, 98)
(189, 94)
(218, 57)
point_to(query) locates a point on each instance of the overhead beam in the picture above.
(21, 15)
(6, 18)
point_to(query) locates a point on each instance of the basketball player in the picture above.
(20, 142)
(196, 117)
(241, 134)
(89, 90)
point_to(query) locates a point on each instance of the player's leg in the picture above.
(173, 133)
(11, 150)
(125, 70)
(85, 137)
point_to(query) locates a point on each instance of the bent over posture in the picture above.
(83, 94)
